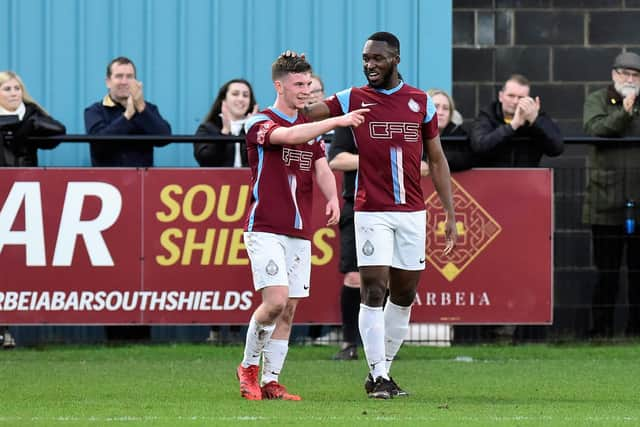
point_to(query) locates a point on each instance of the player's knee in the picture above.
(404, 300)
(373, 296)
(403, 296)
(275, 307)
(286, 317)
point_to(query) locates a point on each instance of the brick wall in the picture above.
(566, 48)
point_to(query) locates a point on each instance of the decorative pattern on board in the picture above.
(476, 230)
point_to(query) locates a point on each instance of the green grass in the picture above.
(195, 385)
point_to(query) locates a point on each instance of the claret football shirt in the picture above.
(281, 177)
(389, 144)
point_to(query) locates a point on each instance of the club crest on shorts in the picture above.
(414, 106)
(271, 268)
(368, 248)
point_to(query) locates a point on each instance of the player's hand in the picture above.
(355, 118)
(450, 234)
(424, 168)
(628, 101)
(332, 210)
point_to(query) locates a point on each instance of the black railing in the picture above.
(231, 138)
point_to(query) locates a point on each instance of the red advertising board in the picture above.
(164, 246)
(501, 268)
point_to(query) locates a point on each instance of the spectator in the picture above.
(514, 131)
(233, 105)
(458, 153)
(316, 94)
(460, 157)
(28, 119)
(614, 180)
(124, 111)
(21, 117)
(316, 90)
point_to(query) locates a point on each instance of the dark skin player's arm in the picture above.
(317, 111)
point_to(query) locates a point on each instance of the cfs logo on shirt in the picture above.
(409, 132)
(302, 157)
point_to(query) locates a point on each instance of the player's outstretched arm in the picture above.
(441, 177)
(300, 134)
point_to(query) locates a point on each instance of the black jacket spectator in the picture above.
(217, 154)
(458, 153)
(496, 144)
(17, 150)
(107, 118)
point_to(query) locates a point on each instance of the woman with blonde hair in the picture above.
(21, 117)
(457, 152)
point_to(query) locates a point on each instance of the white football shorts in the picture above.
(395, 239)
(278, 260)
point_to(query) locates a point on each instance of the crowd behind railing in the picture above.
(513, 131)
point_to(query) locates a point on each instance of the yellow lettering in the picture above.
(224, 201)
(174, 206)
(190, 245)
(167, 243)
(326, 251)
(221, 247)
(237, 245)
(210, 202)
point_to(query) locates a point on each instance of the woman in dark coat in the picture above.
(21, 117)
(458, 153)
(233, 105)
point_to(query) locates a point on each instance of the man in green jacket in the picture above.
(613, 192)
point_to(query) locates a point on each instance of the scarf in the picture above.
(20, 111)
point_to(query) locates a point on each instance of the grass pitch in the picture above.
(195, 385)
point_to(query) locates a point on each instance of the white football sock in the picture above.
(257, 336)
(371, 324)
(396, 327)
(273, 356)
